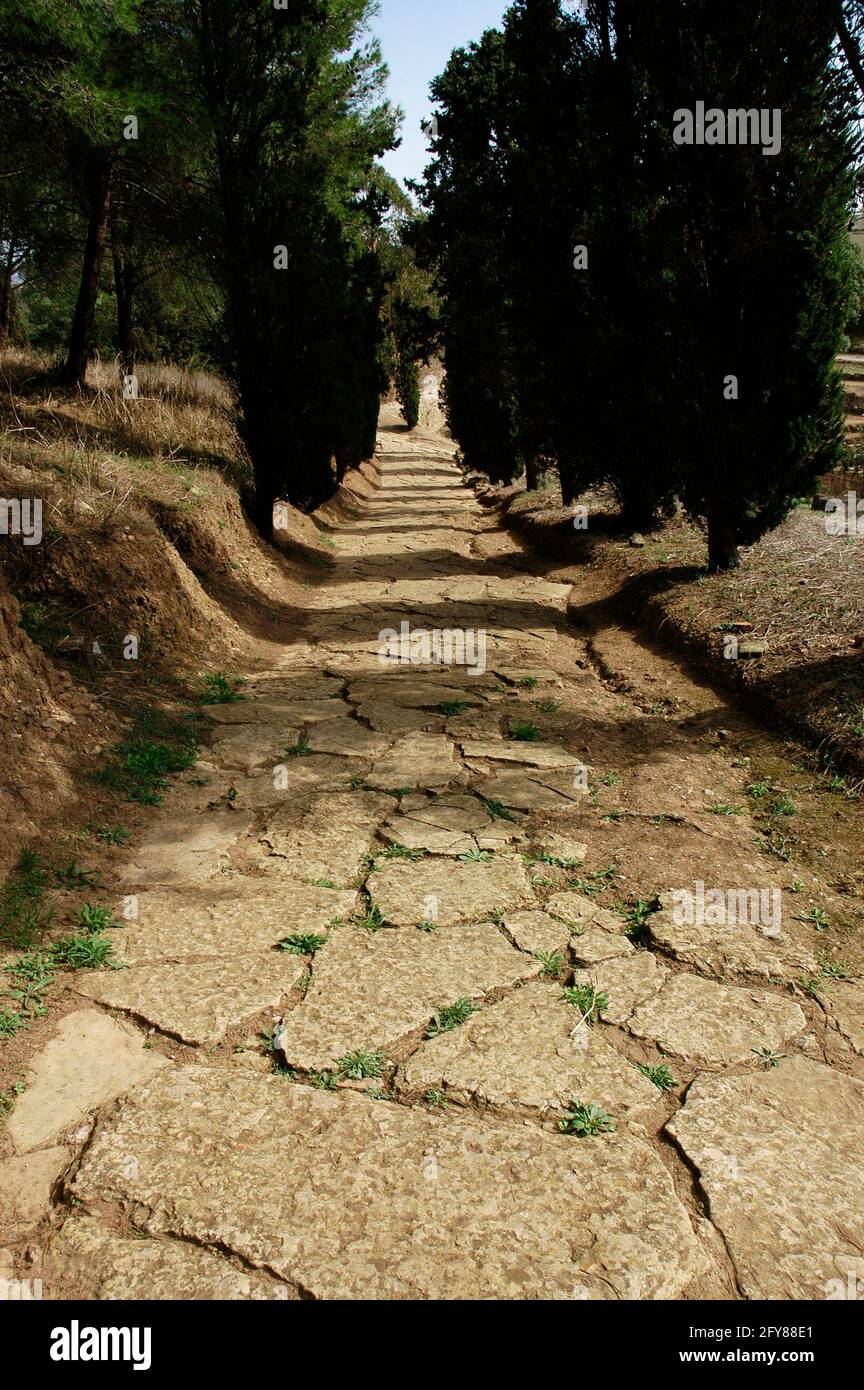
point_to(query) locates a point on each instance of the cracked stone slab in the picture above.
(254, 746)
(626, 981)
(594, 945)
(736, 949)
(778, 1153)
(530, 790)
(512, 751)
(844, 1005)
(375, 989)
(536, 932)
(26, 1183)
(314, 772)
(284, 714)
(350, 1198)
(183, 851)
(91, 1060)
(388, 718)
(580, 913)
(245, 919)
(696, 1018)
(329, 839)
(417, 760)
(564, 847)
(413, 694)
(305, 686)
(86, 1261)
(444, 892)
(348, 738)
(525, 1054)
(198, 1003)
(447, 825)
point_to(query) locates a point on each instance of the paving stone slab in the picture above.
(354, 1198)
(626, 981)
(25, 1186)
(594, 945)
(281, 713)
(532, 790)
(87, 1261)
(440, 891)
(417, 760)
(91, 1060)
(375, 989)
(243, 919)
(535, 931)
(198, 1003)
(254, 746)
(511, 751)
(348, 738)
(185, 850)
(844, 1004)
(389, 718)
(526, 1053)
(735, 950)
(699, 1019)
(329, 839)
(580, 913)
(779, 1153)
(413, 694)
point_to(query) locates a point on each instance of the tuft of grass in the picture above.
(548, 706)
(524, 733)
(401, 852)
(86, 951)
(356, 1066)
(817, 917)
(96, 919)
(594, 882)
(324, 883)
(833, 969)
(219, 689)
(496, 809)
(32, 974)
(476, 856)
(10, 1024)
(10, 1095)
(76, 877)
(585, 1120)
(720, 808)
(452, 707)
(112, 834)
(302, 944)
(555, 860)
(450, 1017)
(397, 792)
(529, 683)
(25, 912)
(552, 964)
(374, 919)
(436, 1100)
(586, 999)
(659, 1076)
(300, 749)
(357, 781)
(636, 914)
(426, 926)
(139, 767)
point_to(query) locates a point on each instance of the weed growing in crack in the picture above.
(397, 792)
(219, 689)
(659, 1076)
(595, 882)
(323, 883)
(476, 856)
(767, 1056)
(548, 706)
(374, 919)
(357, 781)
(302, 944)
(401, 852)
(636, 914)
(555, 860)
(96, 919)
(524, 733)
(452, 707)
(300, 749)
(833, 969)
(112, 834)
(426, 926)
(586, 999)
(436, 1100)
(585, 1120)
(89, 951)
(496, 809)
(356, 1066)
(552, 964)
(529, 682)
(450, 1017)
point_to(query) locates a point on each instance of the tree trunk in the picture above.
(722, 544)
(81, 335)
(568, 484)
(124, 290)
(533, 474)
(6, 292)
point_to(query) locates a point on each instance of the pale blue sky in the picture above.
(417, 38)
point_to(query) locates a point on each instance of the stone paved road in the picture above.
(389, 812)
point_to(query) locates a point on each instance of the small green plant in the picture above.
(436, 1100)
(452, 707)
(552, 964)
(767, 1056)
(811, 985)
(476, 856)
(610, 779)
(112, 834)
(398, 792)
(10, 1095)
(75, 877)
(595, 882)
(585, 1120)
(776, 844)
(524, 733)
(548, 706)
(720, 808)
(356, 781)
(426, 926)
(401, 852)
(88, 951)
(586, 999)
(833, 969)
(450, 1017)
(32, 974)
(323, 883)
(757, 790)
(356, 1066)
(324, 1080)
(496, 809)
(302, 944)
(374, 919)
(25, 913)
(96, 919)
(10, 1024)
(544, 858)
(636, 914)
(300, 749)
(219, 689)
(659, 1076)
(529, 683)
(139, 767)
(816, 916)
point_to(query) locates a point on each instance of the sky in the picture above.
(417, 38)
